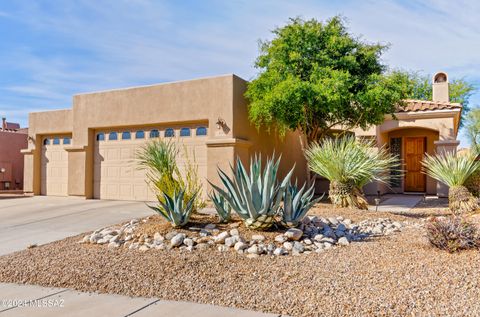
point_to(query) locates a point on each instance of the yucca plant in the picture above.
(159, 159)
(454, 171)
(349, 164)
(174, 209)
(296, 203)
(254, 196)
(221, 206)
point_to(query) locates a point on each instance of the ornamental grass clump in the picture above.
(256, 195)
(296, 203)
(349, 164)
(452, 234)
(454, 171)
(159, 159)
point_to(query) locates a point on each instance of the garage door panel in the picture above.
(117, 175)
(54, 170)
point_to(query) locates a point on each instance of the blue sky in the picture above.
(50, 50)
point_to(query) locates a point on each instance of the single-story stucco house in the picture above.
(89, 150)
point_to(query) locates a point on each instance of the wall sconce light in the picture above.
(220, 123)
(2, 170)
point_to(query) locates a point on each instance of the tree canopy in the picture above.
(315, 75)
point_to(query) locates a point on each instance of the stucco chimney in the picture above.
(440, 87)
(4, 123)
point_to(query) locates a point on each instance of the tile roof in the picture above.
(12, 126)
(412, 105)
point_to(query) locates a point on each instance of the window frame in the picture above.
(126, 133)
(100, 135)
(199, 128)
(110, 136)
(56, 141)
(169, 136)
(46, 141)
(139, 138)
(69, 140)
(151, 136)
(185, 129)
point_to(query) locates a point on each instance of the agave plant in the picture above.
(454, 171)
(254, 196)
(221, 206)
(349, 164)
(296, 203)
(174, 209)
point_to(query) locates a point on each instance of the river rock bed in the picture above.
(315, 234)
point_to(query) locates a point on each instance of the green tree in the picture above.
(419, 86)
(472, 127)
(315, 76)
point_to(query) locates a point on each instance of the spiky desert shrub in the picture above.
(174, 209)
(473, 184)
(254, 196)
(222, 207)
(349, 164)
(452, 234)
(454, 171)
(296, 203)
(159, 159)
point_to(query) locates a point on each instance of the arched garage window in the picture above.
(46, 141)
(101, 136)
(139, 135)
(56, 141)
(169, 133)
(184, 132)
(113, 136)
(126, 135)
(201, 131)
(154, 134)
(66, 141)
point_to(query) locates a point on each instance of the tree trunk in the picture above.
(461, 201)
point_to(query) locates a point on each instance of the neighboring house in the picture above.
(12, 140)
(89, 150)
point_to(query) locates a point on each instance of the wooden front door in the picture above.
(415, 180)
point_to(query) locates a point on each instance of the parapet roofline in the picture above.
(160, 84)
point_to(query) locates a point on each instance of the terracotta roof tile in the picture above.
(412, 105)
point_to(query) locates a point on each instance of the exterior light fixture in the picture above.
(2, 170)
(220, 123)
(377, 202)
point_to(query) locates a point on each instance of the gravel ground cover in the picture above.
(395, 275)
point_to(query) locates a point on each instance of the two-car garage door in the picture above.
(116, 172)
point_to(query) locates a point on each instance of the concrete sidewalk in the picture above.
(398, 203)
(36, 301)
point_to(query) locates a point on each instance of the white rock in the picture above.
(240, 246)
(231, 241)
(223, 248)
(318, 237)
(252, 255)
(114, 239)
(307, 241)
(113, 245)
(288, 245)
(254, 249)
(293, 234)
(280, 238)
(234, 232)
(378, 229)
(177, 240)
(95, 237)
(188, 242)
(143, 248)
(343, 241)
(158, 236)
(333, 221)
(297, 246)
(220, 238)
(279, 251)
(258, 237)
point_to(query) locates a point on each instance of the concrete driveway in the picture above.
(42, 219)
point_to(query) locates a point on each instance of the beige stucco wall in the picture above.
(187, 102)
